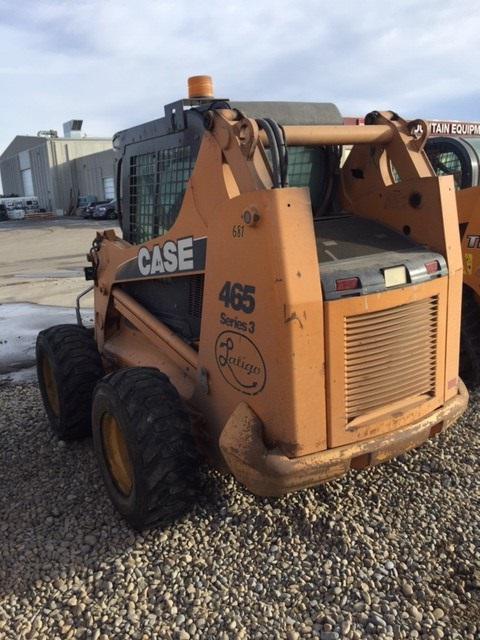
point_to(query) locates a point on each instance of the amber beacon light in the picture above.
(200, 87)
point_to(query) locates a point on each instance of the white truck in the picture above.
(18, 207)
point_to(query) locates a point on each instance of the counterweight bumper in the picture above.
(268, 472)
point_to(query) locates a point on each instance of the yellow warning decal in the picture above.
(468, 263)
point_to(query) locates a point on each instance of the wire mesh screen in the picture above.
(175, 168)
(445, 163)
(307, 167)
(301, 162)
(143, 172)
(157, 186)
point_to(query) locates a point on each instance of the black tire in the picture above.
(68, 368)
(156, 480)
(470, 340)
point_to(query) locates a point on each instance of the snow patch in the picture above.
(23, 376)
(19, 327)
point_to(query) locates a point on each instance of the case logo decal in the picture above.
(174, 256)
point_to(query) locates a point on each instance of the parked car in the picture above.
(106, 211)
(85, 201)
(88, 211)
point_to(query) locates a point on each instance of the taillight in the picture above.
(433, 266)
(345, 284)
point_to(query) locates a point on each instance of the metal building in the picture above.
(58, 170)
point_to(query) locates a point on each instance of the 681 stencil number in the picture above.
(238, 230)
(240, 297)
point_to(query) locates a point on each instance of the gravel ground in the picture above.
(388, 552)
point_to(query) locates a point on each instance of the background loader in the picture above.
(459, 155)
(284, 318)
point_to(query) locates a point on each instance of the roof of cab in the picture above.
(285, 113)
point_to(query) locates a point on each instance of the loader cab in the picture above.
(156, 160)
(457, 156)
(154, 163)
(313, 167)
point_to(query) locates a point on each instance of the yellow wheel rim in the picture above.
(116, 452)
(50, 386)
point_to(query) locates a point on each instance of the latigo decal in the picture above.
(240, 362)
(174, 256)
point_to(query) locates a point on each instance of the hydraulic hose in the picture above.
(274, 150)
(282, 150)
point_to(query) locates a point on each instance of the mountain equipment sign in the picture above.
(450, 128)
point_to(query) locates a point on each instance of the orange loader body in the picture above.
(307, 316)
(270, 383)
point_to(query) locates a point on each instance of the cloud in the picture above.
(116, 63)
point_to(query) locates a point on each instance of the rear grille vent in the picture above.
(390, 355)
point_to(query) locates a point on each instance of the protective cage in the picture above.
(459, 157)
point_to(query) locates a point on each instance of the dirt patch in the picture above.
(42, 261)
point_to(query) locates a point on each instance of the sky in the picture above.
(115, 64)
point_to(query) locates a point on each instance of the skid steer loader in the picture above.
(459, 155)
(265, 310)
